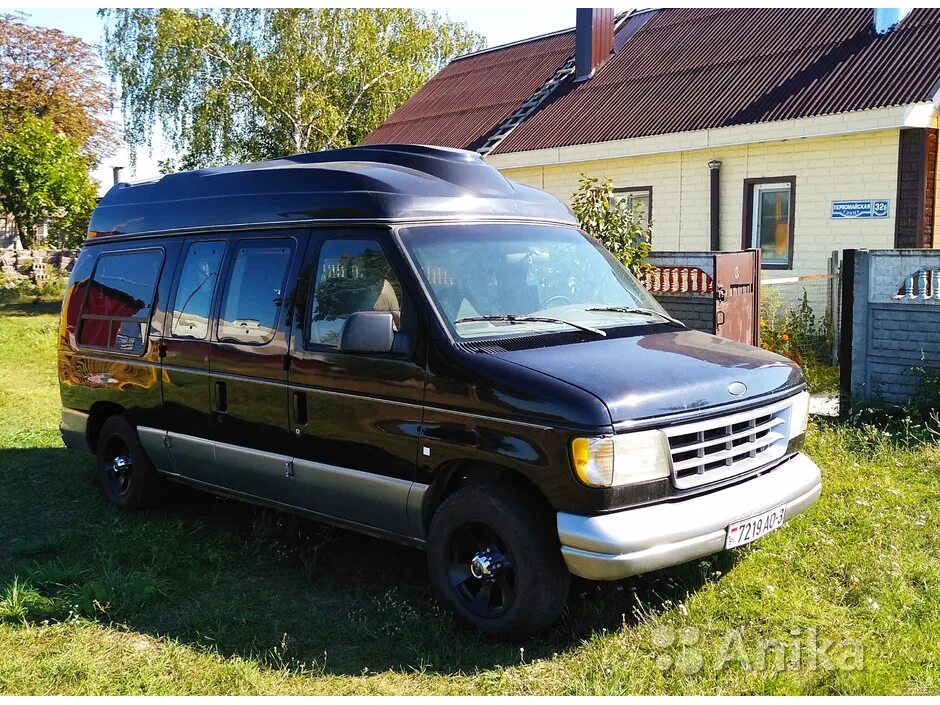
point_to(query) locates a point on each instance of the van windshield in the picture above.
(524, 271)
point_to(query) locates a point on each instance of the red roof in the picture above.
(686, 69)
(470, 96)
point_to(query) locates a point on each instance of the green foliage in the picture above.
(43, 175)
(794, 332)
(609, 220)
(927, 399)
(251, 83)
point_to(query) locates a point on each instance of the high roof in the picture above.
(683, 70)
(380, 182)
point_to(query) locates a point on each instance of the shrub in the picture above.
(625, 232)
(794, 332)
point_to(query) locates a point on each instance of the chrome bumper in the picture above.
(617, 545)
(74, 428)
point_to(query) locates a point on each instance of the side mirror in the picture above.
(368, 332)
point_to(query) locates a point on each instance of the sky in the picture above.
(499, 25)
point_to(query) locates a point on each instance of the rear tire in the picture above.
(494, 559)
(125, 473)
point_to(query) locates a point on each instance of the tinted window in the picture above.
(255, 291)
(194, 293)
(119, 299)
(352, 275)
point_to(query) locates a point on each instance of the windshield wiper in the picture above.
(513, 319)
(641, 311)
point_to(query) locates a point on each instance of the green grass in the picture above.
(210, 596)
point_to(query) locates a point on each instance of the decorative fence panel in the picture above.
(684, 284)
(890, 325)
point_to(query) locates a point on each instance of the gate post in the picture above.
(835, 284)
(847, 333)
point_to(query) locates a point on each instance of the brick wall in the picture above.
(852, 166)
(891, 314)
(917, 171)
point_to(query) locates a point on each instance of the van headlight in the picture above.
(799, 415)
(622, 459)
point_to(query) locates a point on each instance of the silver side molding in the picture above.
(356, 497)
(157, 448)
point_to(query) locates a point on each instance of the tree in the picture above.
(609, 220)
(53, 76)
(43, 175)
(246, 84)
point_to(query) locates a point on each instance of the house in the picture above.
(799, 131)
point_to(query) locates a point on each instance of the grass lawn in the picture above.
(212, 596)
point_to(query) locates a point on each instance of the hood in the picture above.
(644, 376)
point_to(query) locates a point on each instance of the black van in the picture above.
(398, 340)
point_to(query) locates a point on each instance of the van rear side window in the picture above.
(255, 291)
(119, 299)
(194, 293)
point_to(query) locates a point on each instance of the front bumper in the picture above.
(617, 545)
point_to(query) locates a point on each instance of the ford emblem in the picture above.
(737, 389)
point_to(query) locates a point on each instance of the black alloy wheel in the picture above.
(494, 558)
(481, 569)
(125, 473)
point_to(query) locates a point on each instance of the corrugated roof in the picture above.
(472, 95)
(685, 69)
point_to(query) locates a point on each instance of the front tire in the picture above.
(494, 559)
(125, 473)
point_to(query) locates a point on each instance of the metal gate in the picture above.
(737, 293)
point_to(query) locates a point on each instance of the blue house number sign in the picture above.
(877, 208)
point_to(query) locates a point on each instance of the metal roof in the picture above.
(380, 182)
(683, 70)
(473, 94)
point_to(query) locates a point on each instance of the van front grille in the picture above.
(709, 451)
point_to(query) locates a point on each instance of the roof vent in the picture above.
(887, 18)
(594, 39)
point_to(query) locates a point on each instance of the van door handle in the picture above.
(221, 398)
(299, 401)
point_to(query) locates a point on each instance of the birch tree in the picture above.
(245, 84)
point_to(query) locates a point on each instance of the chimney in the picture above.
(116, 174)
(594, 39)
(885, 19)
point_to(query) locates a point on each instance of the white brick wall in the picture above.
(853, 166)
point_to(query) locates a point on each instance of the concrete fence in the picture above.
(890, 324)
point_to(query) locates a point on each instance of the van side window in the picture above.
(119, 300)
(255, 291)
(352, 275)
(196, 286)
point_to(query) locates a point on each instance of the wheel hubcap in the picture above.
(480, 570)
(119, 468)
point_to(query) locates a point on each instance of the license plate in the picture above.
(753, 528)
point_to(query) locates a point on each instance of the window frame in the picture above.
(648, 190)
(147, 321)
(220, 298)
(314, 261)
(215, 294)
(747, 232)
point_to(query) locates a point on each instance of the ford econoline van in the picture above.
(398, 340)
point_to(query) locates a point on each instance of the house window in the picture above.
(639, 197)
(768, 219)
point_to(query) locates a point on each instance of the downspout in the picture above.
(714, 168)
